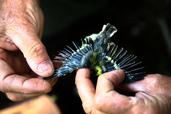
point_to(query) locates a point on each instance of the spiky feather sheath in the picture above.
(100, 54)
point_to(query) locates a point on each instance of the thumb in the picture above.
(35, 53)
(107, 99)
(109, 81)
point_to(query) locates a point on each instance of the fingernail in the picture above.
(45, 67)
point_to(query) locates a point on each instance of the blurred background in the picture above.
(144, 29)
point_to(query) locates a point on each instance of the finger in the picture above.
(149, 83)
(15, 60)
(21, 84)
(7, 44)
(19, 96)
(34, 52)
(86, 89)
(137, 86)
(106, 98)
(11, 82)
(108, 81)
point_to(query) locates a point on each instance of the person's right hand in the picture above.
(23, 57)
(152, 94)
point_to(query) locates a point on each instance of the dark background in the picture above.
(143, 29)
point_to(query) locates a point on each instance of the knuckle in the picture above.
(154, 80)
(36, 49)
(45, 87)
(154, 77)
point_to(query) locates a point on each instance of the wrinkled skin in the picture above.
(23, 57)
(152, 94)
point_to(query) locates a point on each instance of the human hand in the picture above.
(23, 57)
(152, 94)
